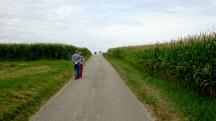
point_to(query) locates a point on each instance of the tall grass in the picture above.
(190, 61)
(39, 51)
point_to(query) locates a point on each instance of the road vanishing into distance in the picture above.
(101, 95)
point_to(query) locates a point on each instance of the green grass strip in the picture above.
(25, 86)
(167, 100)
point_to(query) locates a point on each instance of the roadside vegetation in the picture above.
(30, 75)
(177, 79)
(190, 62)
(166, 101)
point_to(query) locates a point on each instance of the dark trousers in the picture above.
(81, 70)
(77, 71)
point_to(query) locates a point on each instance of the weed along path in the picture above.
(101, 95)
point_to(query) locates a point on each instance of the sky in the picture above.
(102, 24)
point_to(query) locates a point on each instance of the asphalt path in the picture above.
(101, 95)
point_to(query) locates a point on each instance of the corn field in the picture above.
(38, 51)
(189, 61)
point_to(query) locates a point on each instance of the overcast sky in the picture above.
(102, 24)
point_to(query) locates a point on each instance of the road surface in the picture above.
(101, 95)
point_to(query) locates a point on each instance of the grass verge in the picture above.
(167, 101)
(25, 86)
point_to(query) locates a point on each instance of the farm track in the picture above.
(101, 95)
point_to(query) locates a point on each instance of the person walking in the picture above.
(82, 63)
(77, 60)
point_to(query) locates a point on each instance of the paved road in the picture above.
(101, 95)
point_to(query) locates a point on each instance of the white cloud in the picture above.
(64, 11)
